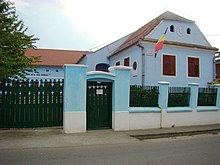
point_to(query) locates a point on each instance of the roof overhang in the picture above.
(182, 44)
(147, 40)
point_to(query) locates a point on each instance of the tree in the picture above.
(13, 42)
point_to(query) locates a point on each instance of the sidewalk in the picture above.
(54, 137)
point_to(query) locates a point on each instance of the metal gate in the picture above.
(99, 105)
(30, 104)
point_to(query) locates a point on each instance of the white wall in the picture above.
(149, 120)
(144, 120)
(191, 118)
(46, 72)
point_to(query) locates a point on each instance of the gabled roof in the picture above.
(53, 57)
(146, 29)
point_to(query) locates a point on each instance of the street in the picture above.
(200, 149)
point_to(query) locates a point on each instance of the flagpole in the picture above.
(160, 42)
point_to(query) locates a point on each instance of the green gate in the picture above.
(31, 104)
(99, 105)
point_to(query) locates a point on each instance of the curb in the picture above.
(175, 134)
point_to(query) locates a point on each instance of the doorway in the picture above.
(99, 105)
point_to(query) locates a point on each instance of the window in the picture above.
(188, 31)
(47, 70)
(135, 65)
(102, 67)
(127, 61)
(117, 63)
(193, 67)
(57, 70)
(171, 28)
(218, 70)
(169, 65)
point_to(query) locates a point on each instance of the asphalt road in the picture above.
(194, 150)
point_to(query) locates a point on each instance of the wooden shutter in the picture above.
(218, 70)
(169, 65)
(193, 67)
(117, 63)
(127, 61)
(165, 65)
(172, 62)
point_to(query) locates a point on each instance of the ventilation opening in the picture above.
(188, 31)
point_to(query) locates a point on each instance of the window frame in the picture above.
(136, 65)
(199, 64)
(135, 71)
(162, 64)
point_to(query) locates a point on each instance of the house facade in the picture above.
(186, 60)
(186, 56)
(51, 62)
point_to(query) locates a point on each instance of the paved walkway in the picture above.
(54, 137)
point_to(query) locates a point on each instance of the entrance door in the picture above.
(99, 105)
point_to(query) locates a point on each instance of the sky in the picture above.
(91, 24)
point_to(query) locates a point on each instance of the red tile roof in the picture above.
(53, 57)
(146, 29)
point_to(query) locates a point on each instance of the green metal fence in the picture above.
(31, 104)
(144, 96)
(207, 96)
(178, 96)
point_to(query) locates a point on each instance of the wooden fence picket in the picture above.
(30, 104)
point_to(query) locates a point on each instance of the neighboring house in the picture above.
(186, 57)
(217, 66)
(52, 62)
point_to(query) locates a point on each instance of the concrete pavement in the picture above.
(54, 137)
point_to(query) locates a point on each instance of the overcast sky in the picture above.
(86, 24)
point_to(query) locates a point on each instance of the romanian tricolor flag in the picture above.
(159, 44)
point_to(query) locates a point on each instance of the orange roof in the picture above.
(146, 29)
(53, 57)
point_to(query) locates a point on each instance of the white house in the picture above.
(186, 57)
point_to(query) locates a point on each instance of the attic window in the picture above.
(127, 61)
(188, 31)
(117, 63)
(171, 28)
